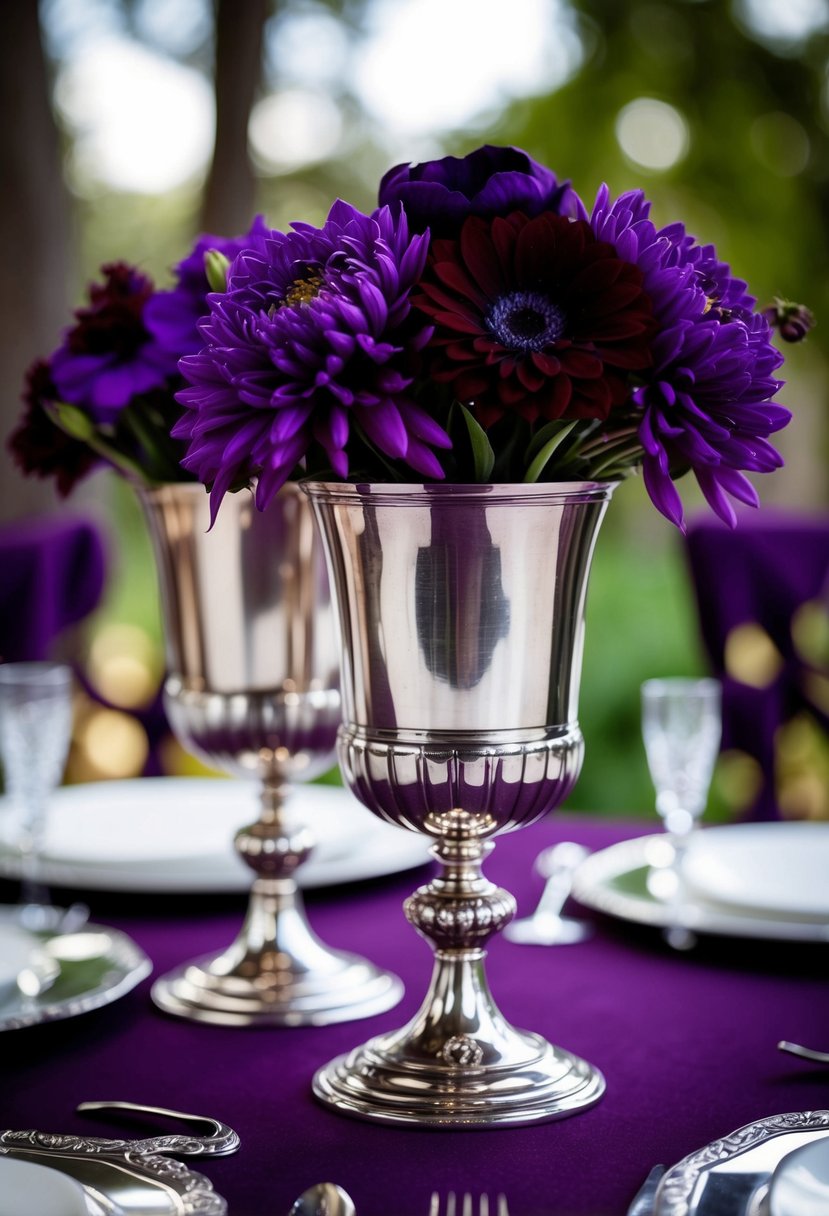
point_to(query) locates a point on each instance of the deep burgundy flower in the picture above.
(39, 446)
(172, 317)
(534, 316)
(440, 194)
(108, 357)
(312, 338)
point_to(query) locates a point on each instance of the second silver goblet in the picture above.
(253, 689)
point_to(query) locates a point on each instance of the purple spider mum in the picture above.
(172, 317)
(707, 408)
(108, 357)
(312, 338)
(706, 402)
(440, 194)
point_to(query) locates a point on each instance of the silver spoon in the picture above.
(44, 965)
(805, 1053)
(38, 975)
(546, 926)
(324, 1199)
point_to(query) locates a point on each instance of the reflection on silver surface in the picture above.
(461, 611)
(253, 688)
(731, 1175)
(110, 967)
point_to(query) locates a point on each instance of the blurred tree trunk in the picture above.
(34, 234)
(227, 205)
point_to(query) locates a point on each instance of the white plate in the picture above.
(777, 869)
(732, 1175)
(29, 1188)
(16, 949)
(176, 834)
(615, 881)
(800, 1184)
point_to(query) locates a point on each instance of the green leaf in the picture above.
(483, 456)
(74, 421)
(543, 457)
(78, 425)
(542, 436)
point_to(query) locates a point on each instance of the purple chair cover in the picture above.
(761, 572)
(53, 573)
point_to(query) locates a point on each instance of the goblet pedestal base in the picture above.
(459, 1063)
(277, 973)
(381, 1082)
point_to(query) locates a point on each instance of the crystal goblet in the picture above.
(681, 728)
(252, 688)
(35, 732)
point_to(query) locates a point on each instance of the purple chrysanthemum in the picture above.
(313, 336)
(440, 194)
(172, 317)
(706, 402)
(108, 357)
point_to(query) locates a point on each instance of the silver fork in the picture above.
(464, 1205)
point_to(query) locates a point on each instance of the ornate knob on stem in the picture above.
(460, 910)
(268, 846)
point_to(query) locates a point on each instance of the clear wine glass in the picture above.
(35, 730)
(681, 727)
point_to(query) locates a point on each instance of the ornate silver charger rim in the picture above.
(674, 1196)
(128, 966)
(192, 1193)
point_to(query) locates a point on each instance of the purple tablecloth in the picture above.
(686, 1041)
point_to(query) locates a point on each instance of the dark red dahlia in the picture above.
(536, 317)
(39, 446)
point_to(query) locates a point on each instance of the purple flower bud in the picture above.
(792, 321)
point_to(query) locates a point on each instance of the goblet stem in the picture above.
(277, 971)
(33, 892)
(459, 1062)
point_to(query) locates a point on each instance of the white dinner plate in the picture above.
(800, 1183)
(37, 1190)
(618, 881)
(778, 869)
(175, 834)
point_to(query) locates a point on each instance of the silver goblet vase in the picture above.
(253, 689)
(461, 611)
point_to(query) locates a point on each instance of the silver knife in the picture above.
(643, 1202)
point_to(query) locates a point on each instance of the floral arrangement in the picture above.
(107, 395)
(480, 325)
